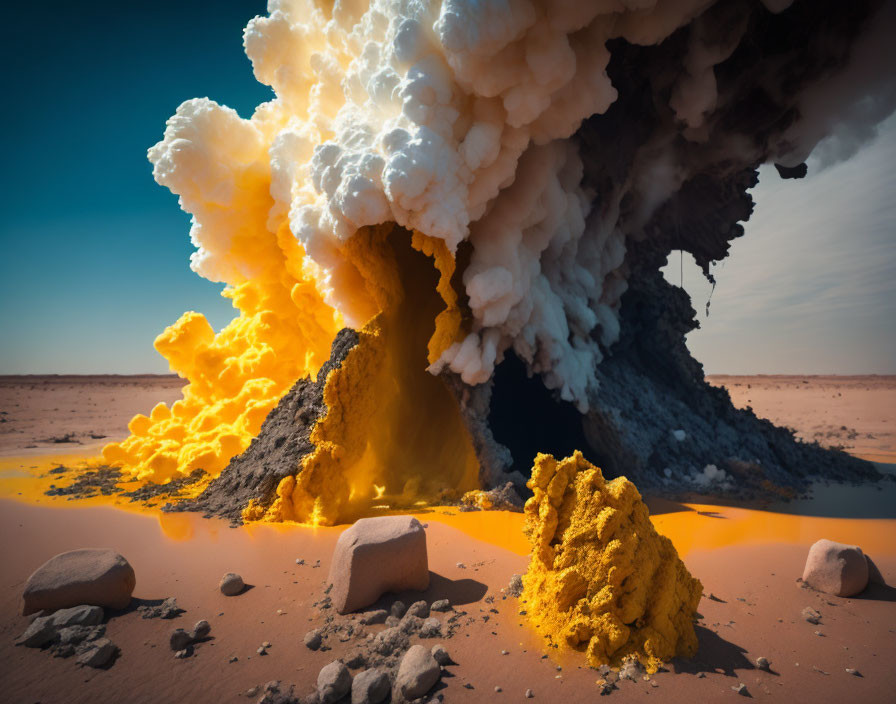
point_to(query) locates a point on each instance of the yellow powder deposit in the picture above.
(601, 579)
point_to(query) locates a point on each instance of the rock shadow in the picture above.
(714, 653)
(658, 506)
(877, 592)
(457, 591)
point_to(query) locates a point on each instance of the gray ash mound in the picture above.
(278, 450)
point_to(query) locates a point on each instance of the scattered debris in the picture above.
(74, 631)
(516, 586)
(167, 609)
(631, 669)
(811, 615)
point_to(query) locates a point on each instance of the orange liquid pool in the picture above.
(690, 526)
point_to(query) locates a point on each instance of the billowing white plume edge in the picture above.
(457, 119)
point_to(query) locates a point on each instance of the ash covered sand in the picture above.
(747, 560)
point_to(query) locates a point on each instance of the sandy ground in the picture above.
(855, 413)
(748, 561)
(754, 611)
(54, 414)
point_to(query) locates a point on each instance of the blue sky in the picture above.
(95, 254)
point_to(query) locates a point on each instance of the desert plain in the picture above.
(748, 559)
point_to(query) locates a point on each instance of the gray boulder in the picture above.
(357, 573)
(835, 568)
(92, 576)
(200, 630)
(333, 682)
(420, 609)
(78, 616)
(431, 628)
(231, 584)
(313, 639)
(99, 654)
(441, 655)
(39, 632)
(370, 687)
(179, 640)
(417, 674)
(373, 617)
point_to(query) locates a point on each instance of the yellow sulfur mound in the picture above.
(601, 579)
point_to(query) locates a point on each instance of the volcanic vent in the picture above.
(485, 194)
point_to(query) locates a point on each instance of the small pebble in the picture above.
(762, 663)
(529, 694)
(497, 689)
(741, 689)
(853, 672)
(261, 651)
(233, 658)
(505, 652)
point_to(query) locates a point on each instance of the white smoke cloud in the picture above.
(455, 118)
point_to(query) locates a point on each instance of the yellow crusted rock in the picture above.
(601, 579)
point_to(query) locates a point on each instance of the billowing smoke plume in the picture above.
(558, 149)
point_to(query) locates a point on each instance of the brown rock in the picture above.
(417, 674)
(835, 568)
(92, 576)
(357, 573)
(231, 584)
(370, 687)
(333, 682)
